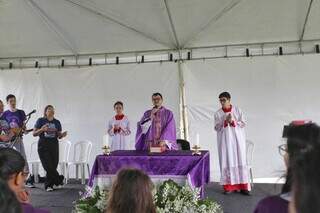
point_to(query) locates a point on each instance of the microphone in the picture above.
(30, 113)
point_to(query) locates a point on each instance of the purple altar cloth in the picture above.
(170, 163)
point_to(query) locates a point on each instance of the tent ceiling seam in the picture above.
(172, 24)
(306, 20)
(52, 25)
(121, 23)
(214, 19)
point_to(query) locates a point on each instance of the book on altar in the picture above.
(157, 149)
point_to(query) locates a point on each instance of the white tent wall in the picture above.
(271, 91)
(84, 97)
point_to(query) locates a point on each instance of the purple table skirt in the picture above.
(170, 163)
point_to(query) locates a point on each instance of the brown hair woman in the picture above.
(131, 193)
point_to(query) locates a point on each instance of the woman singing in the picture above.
(49, 131)
(119, 128)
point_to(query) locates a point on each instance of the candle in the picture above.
(109, 141)
(198, 139)
(106, 140)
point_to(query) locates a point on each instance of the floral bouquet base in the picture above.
(169, 197)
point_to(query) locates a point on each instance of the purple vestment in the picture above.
(27, 208)
(162, 128)
(273, 204)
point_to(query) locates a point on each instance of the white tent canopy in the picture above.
(72, 27)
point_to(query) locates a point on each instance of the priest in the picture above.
(157, 127)
(230, 124)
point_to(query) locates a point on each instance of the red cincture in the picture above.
(233, 123)
(227, 110)
(119, 117)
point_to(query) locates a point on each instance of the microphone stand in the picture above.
(20, 132)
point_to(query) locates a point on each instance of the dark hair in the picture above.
(302, 137)
(306, 180)
(118, 103)
(10, 96)
(298, 136)
(11, 162)
(131, 193)
(225, 95)
(8, 200)
(304, 159)
(157, 94)
(45, 110)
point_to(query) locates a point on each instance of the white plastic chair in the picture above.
(250, 150)
(64, 152)
(82, 151)
(34, 161)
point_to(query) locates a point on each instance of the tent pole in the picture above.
(182, 99)
(274, 43)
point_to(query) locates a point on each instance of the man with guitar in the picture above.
(6, 134)
(16, 119)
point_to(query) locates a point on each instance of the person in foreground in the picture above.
(298, 137)
(12, 171)
(157, 127)
(49, 130)
(119, 128)
(229, 123)
(131, 193)
(8, 200)
(305, 171)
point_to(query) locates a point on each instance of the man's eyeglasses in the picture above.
(223, 100)
(283, 150)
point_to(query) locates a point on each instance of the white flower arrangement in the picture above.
(169, 197)
(172, 198)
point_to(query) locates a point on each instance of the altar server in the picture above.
(157, 127)
(119, 129)
(230, 124)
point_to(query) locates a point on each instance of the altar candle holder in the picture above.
(106, 150)
(196, 150)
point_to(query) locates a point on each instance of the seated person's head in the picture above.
(304, 161)
(297, 137)
(131, 193)
(12, 170)
(8, 200)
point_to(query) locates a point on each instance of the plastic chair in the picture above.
(250, 150)
(64, 152)
(34, 161)
(82, 151)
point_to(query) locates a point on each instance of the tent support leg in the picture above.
(183, 111)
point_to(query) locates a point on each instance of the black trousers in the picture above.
(48, 150)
